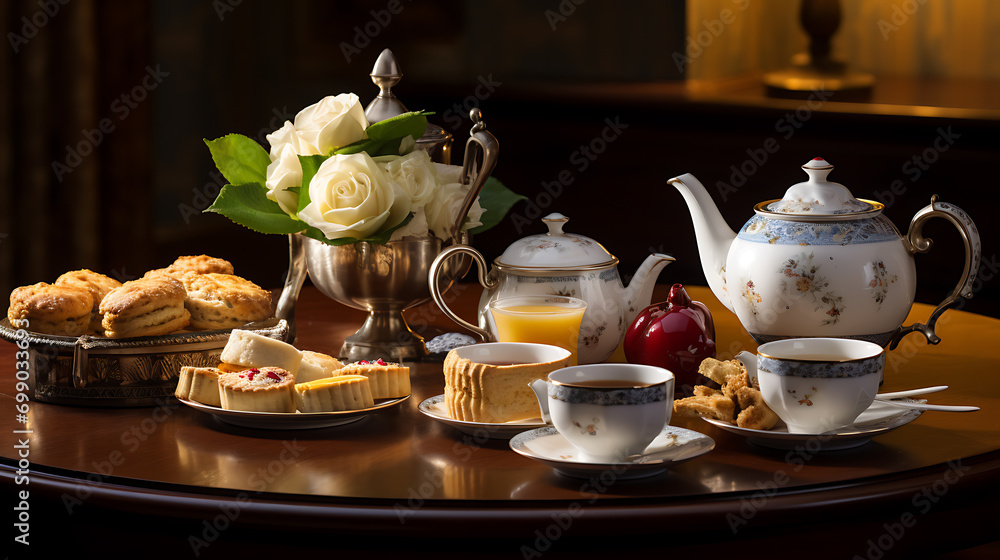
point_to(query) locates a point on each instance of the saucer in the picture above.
(290, 420)
(879, 418)
(672, 446)
(436, 409)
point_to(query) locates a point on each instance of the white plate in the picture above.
(436, 409)
(291, 420)
(879, 418)
(672, 446)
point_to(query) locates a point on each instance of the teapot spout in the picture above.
(713, 235)
(639, 292)
(541, 389)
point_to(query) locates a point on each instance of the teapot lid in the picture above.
(819, 198)
(556, 249)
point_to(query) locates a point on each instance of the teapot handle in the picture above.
(487, 281)
(917, 243)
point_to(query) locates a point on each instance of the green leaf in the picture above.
(310, 165)
(379, 239)
(248, 205)
(241, 160)
(497, 200)
(412, 124)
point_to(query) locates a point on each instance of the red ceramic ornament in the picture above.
(676, 334)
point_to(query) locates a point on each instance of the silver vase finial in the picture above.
(385, 74)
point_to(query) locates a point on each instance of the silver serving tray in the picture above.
(105, 372)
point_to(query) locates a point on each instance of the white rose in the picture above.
(417, 227)
(448, 173)
(416, 174)
(283, 173)
(335, 121)
(351, 196)
(442, 212)
(288, 136)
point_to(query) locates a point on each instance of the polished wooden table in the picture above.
(174, 481)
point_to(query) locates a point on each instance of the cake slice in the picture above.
(317, 366)
(388, 380)
(332, 394)
(266, 389)
(252, 350)
(200, 384)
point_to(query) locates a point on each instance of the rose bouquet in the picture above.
(333, 177)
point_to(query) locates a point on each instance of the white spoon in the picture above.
(910, 393)
(941, 407)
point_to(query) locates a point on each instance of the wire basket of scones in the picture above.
(92, 340)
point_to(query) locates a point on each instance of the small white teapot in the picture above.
(566, 264)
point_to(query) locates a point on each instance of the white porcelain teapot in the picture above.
(821, 263)
(567, 264)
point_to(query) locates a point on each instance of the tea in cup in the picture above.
(608, 412)
(542, 319)
(816, 384)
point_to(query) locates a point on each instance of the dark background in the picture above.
(133, 202)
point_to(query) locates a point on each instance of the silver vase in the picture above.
(383, 280)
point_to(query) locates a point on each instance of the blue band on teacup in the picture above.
(805, 368)
(607, 397)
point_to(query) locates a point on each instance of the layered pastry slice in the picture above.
(251, 350)
(199, 384)
(266, 389)
(388, 380)
(316, 365)
(332, 394)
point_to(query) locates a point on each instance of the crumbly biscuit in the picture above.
(149, 306)
(224, 301)
(720, 371)
(754, 412)
(706, 402)
(202, 264)
(97, 284)
(51, 309)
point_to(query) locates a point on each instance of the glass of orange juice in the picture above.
(542, 319)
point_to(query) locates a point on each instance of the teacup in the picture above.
(608, 412)
(816, 384)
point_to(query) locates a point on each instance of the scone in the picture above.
(266, 389)
(316, 365)
(97, 284)
(333, 394)
(223, 301)
(249, 349)
(388, 380)
(150, 306)
(51, 309)
(201, 264)
(199, 384)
